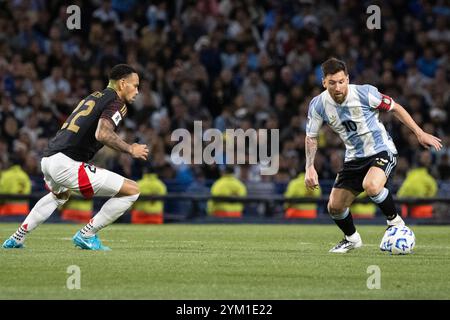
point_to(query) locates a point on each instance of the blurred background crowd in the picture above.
(228, 63)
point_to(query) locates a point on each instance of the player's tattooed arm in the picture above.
(311, 177)
(106, 135)
(310, 150)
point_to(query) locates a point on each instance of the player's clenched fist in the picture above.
(311, 178)
(139, 151)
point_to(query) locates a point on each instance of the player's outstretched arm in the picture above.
(425, 139)
(106, 135)
(311, 177)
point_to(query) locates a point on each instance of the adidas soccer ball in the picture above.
(398, 240)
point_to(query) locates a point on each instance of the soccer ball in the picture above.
(398, 240)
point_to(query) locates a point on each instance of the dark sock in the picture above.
(346, 225)
(386, 203)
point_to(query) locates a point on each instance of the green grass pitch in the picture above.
(177, 262)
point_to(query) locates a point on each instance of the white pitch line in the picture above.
(417, 246)
(197, 241)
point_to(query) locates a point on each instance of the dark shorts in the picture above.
(352, 175)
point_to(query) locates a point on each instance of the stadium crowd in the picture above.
(228, 63)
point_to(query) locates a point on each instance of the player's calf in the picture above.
(344, 220)
(110, 212)
(40, 212)
(386, 203)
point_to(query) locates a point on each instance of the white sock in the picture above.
(397, 221)
(110, 212)
(354, 237)
(41, 211)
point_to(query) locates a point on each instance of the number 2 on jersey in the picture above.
(71, 125)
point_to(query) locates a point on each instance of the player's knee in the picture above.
(135, 189)
(372, 188)
(130, 188)
(335, 209)
(61, 198)
(63, 195)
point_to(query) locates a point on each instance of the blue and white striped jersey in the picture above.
(355, 120)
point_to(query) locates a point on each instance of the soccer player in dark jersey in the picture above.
(65, 163)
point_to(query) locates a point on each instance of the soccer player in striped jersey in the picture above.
(352, 112)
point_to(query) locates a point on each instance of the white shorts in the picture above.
(62, 173)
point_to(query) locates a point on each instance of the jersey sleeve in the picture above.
(315, 120)
(378, 100)
(114, 112)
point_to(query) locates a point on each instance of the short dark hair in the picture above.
(121, 71)
(332, 66)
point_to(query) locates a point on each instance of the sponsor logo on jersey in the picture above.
(116, 118)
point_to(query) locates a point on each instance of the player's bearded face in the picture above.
(130, 88)
(337, 85)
